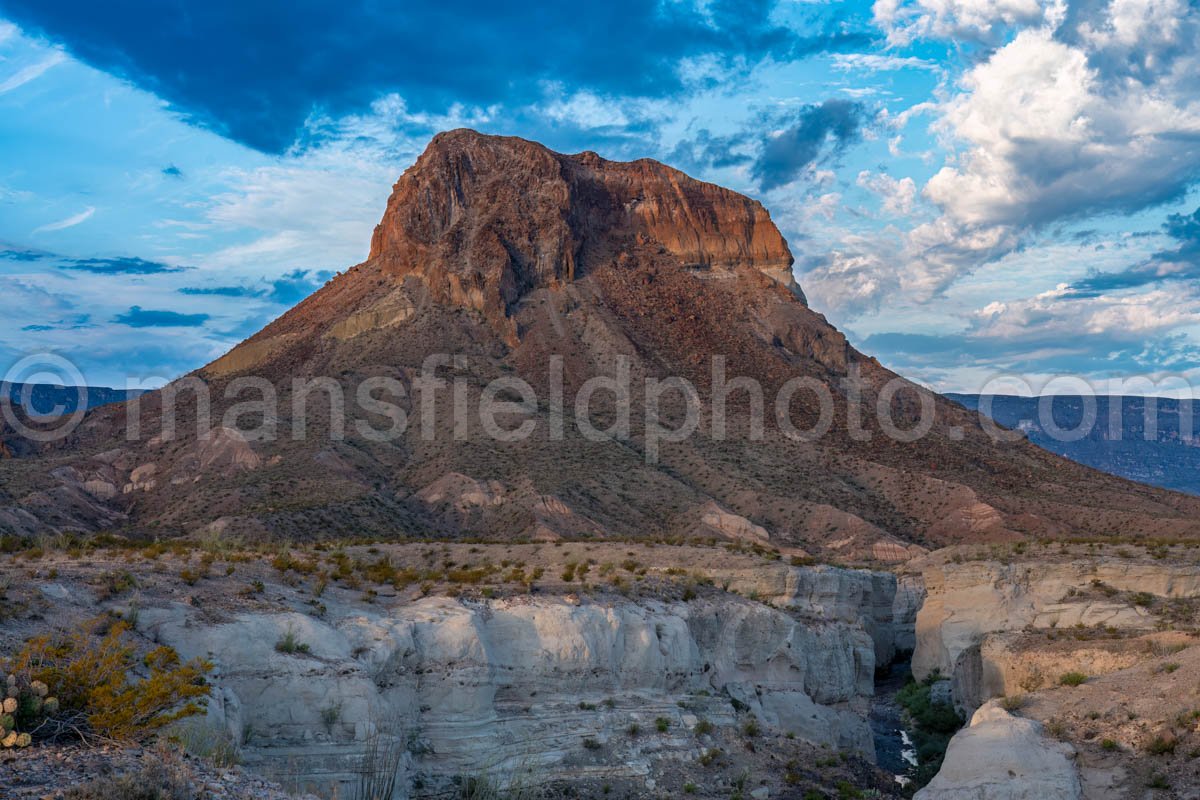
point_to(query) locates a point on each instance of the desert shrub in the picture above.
(382, 753)
(289, 644)
(1014, 702)
(848, 791)
(103, 689)
(156, 780)
(1143, 599)
(662, 724)
(1073, 679)
(702, 727)
(1161, 745)
(1033, 680)
(113, 584)
(202, 739)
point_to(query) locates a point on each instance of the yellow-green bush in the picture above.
(96, 678)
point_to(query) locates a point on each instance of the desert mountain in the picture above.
(518, 262)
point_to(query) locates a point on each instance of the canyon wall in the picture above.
(974, 607)
(499, 686)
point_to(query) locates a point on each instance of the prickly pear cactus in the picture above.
(25, 705)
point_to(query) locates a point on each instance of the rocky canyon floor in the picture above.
(618, 669)
(572, 669)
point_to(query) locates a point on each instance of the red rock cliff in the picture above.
(486, 219)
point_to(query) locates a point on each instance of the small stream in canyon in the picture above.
(894, 751)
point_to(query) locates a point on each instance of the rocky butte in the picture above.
(446, 608)
(510, 257)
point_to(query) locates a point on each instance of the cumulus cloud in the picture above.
(704, 151)
(1068, 113)
(897, 196)
(1061, 313)
(816, 131)
(979, 20)
(852, 276)
(1046, 136)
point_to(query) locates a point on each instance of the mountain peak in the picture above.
(485, 219)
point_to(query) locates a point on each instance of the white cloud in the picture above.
(874, 62)
(898, 196)
(586, 110)
(316, 207)
(1074, 116)
(69, 222)
(31, 72)
(1046, 136)
(1059, 313)
(305, 215)
(826, 206)
(905, 20)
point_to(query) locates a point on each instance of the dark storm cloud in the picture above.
(138, 317)
(255, 71)
(818, 130)
(1180, 263)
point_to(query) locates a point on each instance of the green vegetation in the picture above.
(1073, 679)
(933, 726)
(83, 685)
(290, 644)
(1012, 703)
(1161, 745)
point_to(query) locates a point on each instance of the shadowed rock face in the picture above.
(486, 220)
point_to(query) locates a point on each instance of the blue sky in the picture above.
(977, 191)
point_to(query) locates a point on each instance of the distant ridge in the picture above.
(45, 398)
(1168, 457)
